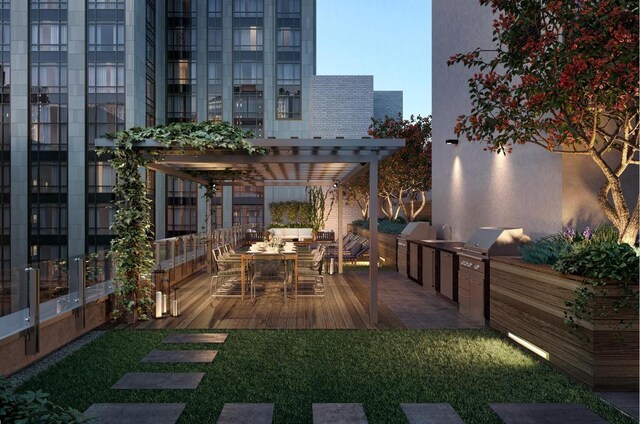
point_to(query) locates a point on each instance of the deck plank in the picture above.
(344, 306)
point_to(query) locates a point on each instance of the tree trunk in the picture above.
(364, 208)
(617, 211)
(629, 234)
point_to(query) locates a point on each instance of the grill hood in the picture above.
(417, 231)
(498, 241)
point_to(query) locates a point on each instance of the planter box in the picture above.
(529, 301)
(386, 246)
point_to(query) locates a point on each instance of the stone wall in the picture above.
(387, 103)
(341, 106)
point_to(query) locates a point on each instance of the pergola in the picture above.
(291, 162)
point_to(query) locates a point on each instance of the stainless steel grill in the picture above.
(473, 266)
(493, 241)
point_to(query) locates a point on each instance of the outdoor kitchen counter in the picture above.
(446, 245)
(438, 263)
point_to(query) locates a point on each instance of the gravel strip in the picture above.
(44, 363)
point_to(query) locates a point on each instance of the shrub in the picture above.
(608, 261)
(384, 225)
(550, 250)
(33, 407)
(546, 251)
(596, 256)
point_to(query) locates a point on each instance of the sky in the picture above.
(390, 40)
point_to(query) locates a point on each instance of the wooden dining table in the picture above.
(288, 256)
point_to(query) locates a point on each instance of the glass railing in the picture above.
(45, 290)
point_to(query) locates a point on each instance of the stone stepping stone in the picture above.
(180, 356)
(627, 402)
(246, 413)
(430, 413)
(545, 413)
(159, 380)
(135, 413)
(338, 413)
(196, 338)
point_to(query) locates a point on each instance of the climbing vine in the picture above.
(318, 213)
(131, 247)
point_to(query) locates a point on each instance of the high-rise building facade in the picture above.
(75, 70)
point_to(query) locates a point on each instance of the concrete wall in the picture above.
(387, 103)
(473, 188)
(341, 106)
(19, 132)
(538, 190)
(76, 188)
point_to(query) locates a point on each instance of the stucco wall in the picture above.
(538, 190)
(341, 106)
(582, 180)
(473, 188)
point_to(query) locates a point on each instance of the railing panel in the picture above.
(14, 313)
(56, 293)
(99, 276)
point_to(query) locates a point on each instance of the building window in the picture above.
(182, 207)
(248, 8)
(150, 60)
(248, 205)
(5, 161)
(248, 60)
(181, 61)
(105, 112)
(288, 59)
(48, 123)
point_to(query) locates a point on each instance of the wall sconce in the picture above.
(453, 141)
(335, 184)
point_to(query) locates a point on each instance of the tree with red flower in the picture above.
(564, 76)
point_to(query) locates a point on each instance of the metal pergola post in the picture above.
(373, 241)
(340, 230)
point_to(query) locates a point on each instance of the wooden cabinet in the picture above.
(413, 262)
(429, 269)
(463, 290)
(472, 288)
(447, 276)
(476, 295)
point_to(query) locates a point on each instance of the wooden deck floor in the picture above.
(345, 306)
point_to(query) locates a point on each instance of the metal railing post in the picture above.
(32, 341)
(81, 310)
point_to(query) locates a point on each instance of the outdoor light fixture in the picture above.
(335, 184)
(453, 141)
(533, 348)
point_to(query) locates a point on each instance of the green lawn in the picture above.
(381, 369)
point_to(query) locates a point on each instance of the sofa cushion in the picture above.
(355, 248)
(277, 232)
(290, 232)
(305, 233)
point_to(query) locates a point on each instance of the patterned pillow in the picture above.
(355, 248)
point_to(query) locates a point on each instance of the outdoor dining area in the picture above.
(277, 263)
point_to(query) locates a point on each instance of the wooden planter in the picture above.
(386, 246)
(528, 301)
